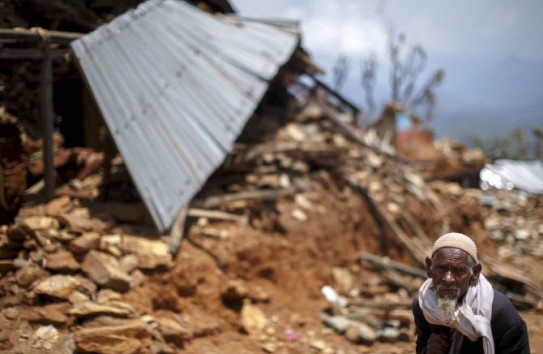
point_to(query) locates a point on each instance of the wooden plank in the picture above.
(218, 200)
(340, 97)
(386, 263)
(381, 304)
(30, 53)
(178, 231)
(46, 105)
(218, 215)
(352, 134)
(417, 251)
(33, 35)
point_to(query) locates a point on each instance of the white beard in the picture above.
(447, 307)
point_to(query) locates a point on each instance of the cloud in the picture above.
(482, 28)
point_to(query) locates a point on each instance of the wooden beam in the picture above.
(46, 103)
(218, 215)
(23, 34)
(30, 53)
(386, 263)
(352, 133)
(261, 194)
(337, 95)
(177, 231)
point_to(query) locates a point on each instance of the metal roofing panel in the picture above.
(524, 175)
(176, 86)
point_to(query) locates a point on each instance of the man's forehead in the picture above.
(450, 254)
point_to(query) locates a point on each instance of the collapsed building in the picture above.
(273, 178)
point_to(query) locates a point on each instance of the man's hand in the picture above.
(438, 343)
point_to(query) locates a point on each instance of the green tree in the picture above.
(514, 146)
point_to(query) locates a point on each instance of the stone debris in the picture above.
(45, 337)
(253, 319)
(68, 266)
(151, 254)
(128, 337)
(104, 269)
(67, 270)
(89, 308)
(86, 242)
(174, 331)
(58, 286)
(62, 262)
(515, 223)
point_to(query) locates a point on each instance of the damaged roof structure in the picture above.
(176, 86)
(508, 174)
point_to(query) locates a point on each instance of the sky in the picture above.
(491, 51)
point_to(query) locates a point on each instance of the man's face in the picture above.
(451, 273)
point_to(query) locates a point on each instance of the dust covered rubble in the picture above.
(67, 266)
(515, 222)
(66, 270)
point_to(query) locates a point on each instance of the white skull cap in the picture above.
(456, 240)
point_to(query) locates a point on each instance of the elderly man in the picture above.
(458, 311)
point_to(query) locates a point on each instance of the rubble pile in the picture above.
(312, 147)
(66, 269)
(296, 203)
(375, 307)
(69, 267)
(458, 153)
(515, 223)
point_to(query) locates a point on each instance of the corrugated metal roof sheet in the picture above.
(176, 86)
(509, 174)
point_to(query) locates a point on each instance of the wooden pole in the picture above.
(46, 102)
(23, 34)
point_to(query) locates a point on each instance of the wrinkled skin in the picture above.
(451, 273)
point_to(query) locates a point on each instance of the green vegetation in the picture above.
(514, 146)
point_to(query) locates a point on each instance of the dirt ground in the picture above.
(275, 267)
(286, 270)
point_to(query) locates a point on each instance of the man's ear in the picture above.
(476, 271)
(428, 262)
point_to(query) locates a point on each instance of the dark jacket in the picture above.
(508, 329)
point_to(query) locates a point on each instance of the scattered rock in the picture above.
(129, 263)
(62, 262)
(45, 337)
(343, 280)
(86, 242)
(54, 314)
(361, 333)
(107, 296)
(58, 286)
(253, 319)
(151, 253)
(120, 309)
(35, 223)
(338, 323)
(270, 347)
(110, 244)
(389, 335)
(76, 223)
(173, 331)
(78, 297)
(104, 269)
(58, 206)
(130, 337)
(11, 313)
